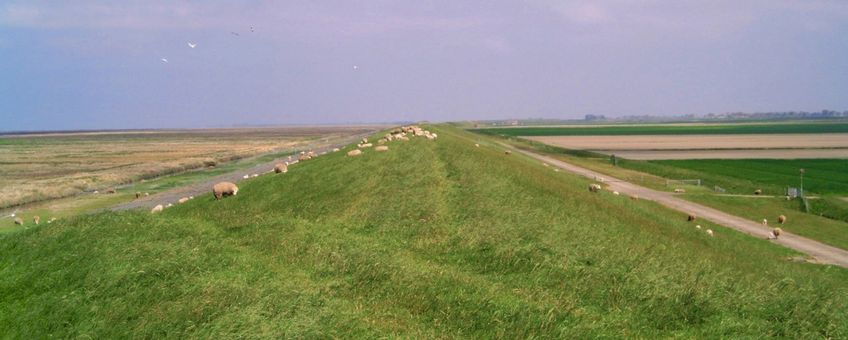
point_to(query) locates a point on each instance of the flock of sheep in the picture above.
(773, 234)
(35, 219)
(224, 189)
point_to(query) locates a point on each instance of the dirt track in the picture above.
(203, 187)
(820, 252)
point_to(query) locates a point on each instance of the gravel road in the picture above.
(821, 252)
(204, 187)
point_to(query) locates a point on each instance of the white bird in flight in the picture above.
(164, 60)
(251, 28)
(192, 45)
(355, 67)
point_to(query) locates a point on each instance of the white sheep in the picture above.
(698, 227)
(710, 232)
(765, 222)
(157, 209)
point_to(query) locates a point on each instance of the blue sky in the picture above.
(97, 64)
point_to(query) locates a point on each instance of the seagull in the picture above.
(164, 60)
(355, 67)
(251, 28)
(235, 34)
(192, 45)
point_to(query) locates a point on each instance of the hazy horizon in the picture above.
(98, 64)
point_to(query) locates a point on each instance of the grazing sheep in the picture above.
(382, 141)
(698, 227)
(634, 197)
(51, 220)
(146, 194)
(137, 195)
(616, 193)
(594, 187)
(545, 164)
(507, 152)
(365, 145)
(364, 141)
(96, 192)
(111, 191)
(281, 168)
(335, 149)
(19, 221)
(434, 135)
(182, 200)
(191, 197)
(304, 157)
(476, 145)
(781, 219)
(679, 190)
(758, 192)
(355, 152)
(36, 219)
(254, 175)
(169, 205)
(691, 218)
(775, 233)
(157, 209)
(765, 221)
(223, 189)
(245, 176)
(556, 169)
(710, 232)
(381, 148)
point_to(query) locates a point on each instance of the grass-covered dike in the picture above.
(430, 239)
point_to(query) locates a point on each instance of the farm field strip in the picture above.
(728, 154)
(698, 142)
(671, 129)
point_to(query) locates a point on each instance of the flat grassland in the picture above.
(673, 129)
(47, 166)
(431, 239)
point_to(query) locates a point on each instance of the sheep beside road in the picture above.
(594, 187)
(36, 219)
(691, 218)
(223, 189)
(781, 219)
(157, 208)
(355, 152)
(775, 233)
(19, 221)
(381, 148)
(281, 168)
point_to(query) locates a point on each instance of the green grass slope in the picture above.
(430, 239)
(695, 129)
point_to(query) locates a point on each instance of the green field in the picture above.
(822, 176)
(432, 239)
(695, 129)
